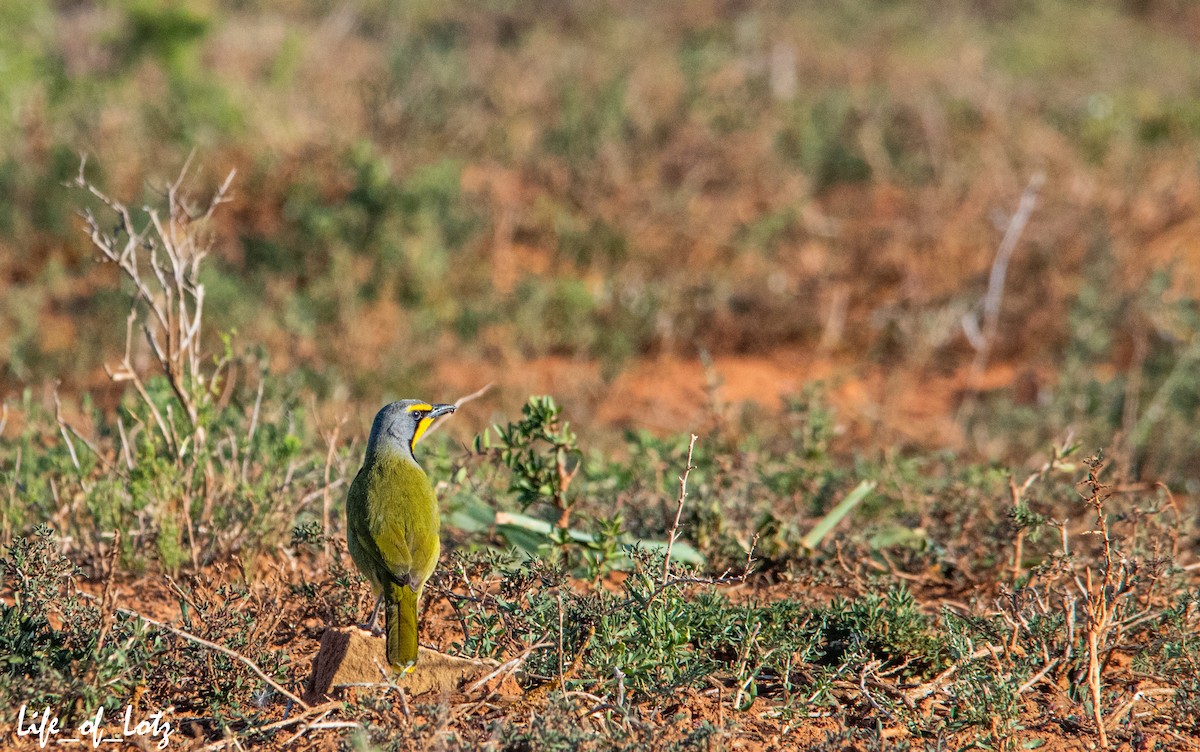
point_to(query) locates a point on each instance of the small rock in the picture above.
(350, 655)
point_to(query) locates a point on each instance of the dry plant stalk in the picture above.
(1099, 600)
(674, 536)
(326, 501)
(983, 336)
(162, 261)
(565, 476)
(981, 327)
(1019, 493)
(207, 644)
(1019, 539)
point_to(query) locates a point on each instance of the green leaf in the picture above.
(680, 552)
(835, 515)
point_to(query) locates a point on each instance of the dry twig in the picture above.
(211, 646)
(674, 535)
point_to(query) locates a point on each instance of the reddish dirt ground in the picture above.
(670, 394)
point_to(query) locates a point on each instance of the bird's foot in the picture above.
(372, 624)
(376, 630)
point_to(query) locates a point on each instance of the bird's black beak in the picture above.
(440, 410)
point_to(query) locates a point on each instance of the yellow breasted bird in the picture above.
(392, 521)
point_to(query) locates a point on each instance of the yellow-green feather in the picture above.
(393, 536)
(400, 613)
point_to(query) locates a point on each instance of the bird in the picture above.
(392, 522)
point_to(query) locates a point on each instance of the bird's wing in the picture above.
(402, 519)
(360, 528)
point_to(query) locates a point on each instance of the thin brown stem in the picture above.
(674, 535)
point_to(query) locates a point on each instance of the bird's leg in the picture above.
(370, 626)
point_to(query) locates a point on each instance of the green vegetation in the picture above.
(511, 182)
(869, 644)
(196, 470)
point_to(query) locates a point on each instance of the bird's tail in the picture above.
(401, 616)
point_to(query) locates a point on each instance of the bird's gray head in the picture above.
(400, 425)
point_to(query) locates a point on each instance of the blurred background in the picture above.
(654, 211)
